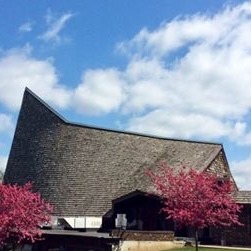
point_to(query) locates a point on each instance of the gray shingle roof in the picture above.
(243, 197)
(81, 169)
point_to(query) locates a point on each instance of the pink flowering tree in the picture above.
(22, 213)
(195, 199)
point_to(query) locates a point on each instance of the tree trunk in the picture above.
(196, 239)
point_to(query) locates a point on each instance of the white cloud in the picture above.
(191, 76)
(3, 163)
(219, 29)
(25, 27)
(19, 69)
(6, 123)
(100, 92)
(170, 123)
(146, 86)
(55, 26)
(241, 172)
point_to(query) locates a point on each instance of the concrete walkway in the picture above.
(223, 247)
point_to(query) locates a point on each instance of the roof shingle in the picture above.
(81, 169)
(243, 197)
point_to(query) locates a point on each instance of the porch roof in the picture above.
(243, 197)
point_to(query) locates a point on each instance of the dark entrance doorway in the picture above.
(143, 212)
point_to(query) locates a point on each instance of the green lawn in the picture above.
(200, 249)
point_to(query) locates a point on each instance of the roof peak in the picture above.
(78, 124)
(40, 100)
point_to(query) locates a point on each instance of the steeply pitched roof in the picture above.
(243, 197)
(81, 169)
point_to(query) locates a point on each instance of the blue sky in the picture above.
(178, 69)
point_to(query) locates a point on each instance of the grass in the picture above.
(201, 249)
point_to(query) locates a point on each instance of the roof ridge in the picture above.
(113, 130)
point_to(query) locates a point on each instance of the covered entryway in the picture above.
(142, 211)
